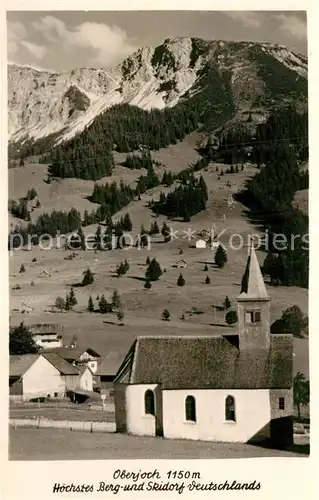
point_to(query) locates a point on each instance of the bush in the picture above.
(22, 269)
(60, 303)
(166, 315)
(231, 318)
(207, 280)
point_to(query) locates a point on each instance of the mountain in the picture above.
(216, 80)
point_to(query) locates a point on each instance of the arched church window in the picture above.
(190, 408)
(149, 402)
(230, 413)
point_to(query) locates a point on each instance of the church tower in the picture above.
(253, 308)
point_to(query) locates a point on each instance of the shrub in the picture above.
(22, 269)
(60, 303)
(207, 280)
(166, 315)
(231, 317)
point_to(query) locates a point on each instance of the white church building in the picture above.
(231, 388)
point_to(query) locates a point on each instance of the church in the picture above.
(230, 388)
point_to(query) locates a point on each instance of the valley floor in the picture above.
(57, 444)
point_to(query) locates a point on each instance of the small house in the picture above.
(47, 335)
(32, 376)
(181, 263)
(200, 243)
(78, 356)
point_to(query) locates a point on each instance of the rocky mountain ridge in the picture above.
(259, 76)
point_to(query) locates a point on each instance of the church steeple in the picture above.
(252, 284)
(253, 308)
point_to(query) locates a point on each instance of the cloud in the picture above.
(107, 43)
(292, 25)
(39, 51)
(16, 31)
(249, 19)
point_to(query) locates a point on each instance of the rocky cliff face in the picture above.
(260, 75)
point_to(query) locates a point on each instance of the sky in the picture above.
(62, 41)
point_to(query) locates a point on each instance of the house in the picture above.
(200, 243)
(85, 378)
(47, 335)
(33, 376)
(181, 263)
(107, 371)
(70, 375)
(25, 309)
(46, 375)
(235, 388)
(78, 356)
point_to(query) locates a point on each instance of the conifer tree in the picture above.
(88, 277)
(72, 298)
(67, 304)
(180, 280)
(207, 280)
(166, 315)
(116, 300)
(103, 305)
(227, 303)
(90, 306)
(82, 239)
(21, 341)
(22, 269)
(153, 271)
(220, 256)
(147, 284)
(120, 316)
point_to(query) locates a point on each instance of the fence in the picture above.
(42, 423)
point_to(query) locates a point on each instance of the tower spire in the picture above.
(252, 285)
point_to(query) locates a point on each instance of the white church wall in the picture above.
(252, 415)
(138, 422)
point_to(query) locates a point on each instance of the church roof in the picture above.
(205, 362)
(253, 286)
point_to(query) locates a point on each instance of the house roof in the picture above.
(72, 353)
(19, 364)
(82, 368)
(60, 364)
(110, 364)
(46, 328)
(253, 286)
(207, 363)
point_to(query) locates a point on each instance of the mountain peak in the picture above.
(247, 74)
